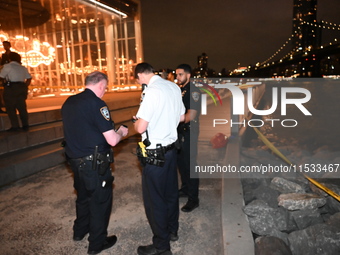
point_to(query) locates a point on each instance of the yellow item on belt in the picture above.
(142, 146)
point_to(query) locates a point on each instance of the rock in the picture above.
(249, 187)
(320, 239)
(285, 186)
(332, 205)
(271, 245)
(334, 220)
(265, 220)
(317, 190)
(267, 195)
(296, 201)
(257, 207)
(306, 218)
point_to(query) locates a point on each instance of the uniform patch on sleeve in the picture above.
(195, 96)
(105, 112)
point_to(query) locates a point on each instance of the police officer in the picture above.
(188, 135)
(89, 134)
(157, 119)
(16, 80)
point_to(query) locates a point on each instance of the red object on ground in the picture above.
(219, 140)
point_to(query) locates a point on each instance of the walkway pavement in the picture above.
(37, 213)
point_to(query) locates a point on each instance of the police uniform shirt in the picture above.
(161, 107)
(85, 117)
(191, 98)
(15, 72)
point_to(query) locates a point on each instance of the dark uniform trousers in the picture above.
(160, 195)
(15, 97)
(187, 161)
(94, 202)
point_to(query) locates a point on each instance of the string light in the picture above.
(322, 25)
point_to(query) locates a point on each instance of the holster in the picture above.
(102, 161)
(152, 157)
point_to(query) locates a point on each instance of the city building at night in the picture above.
(62, 41)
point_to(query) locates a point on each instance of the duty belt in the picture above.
(100, 156)
(152, 152)
(100, 161)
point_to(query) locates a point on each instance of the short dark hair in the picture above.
(95, 77)
(13, 56)
(143, 68)
(185, 67)
(4, 42)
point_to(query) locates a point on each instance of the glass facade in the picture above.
(74, 38)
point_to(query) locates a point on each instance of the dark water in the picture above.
(322, 129)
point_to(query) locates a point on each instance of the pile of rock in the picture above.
(290, 215)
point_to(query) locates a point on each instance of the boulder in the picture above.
(285, 186)
(297, 201)
(271, 245)
(320, 239)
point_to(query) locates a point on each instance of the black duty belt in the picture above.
(100, 161)
(165, 149)
(100, 156)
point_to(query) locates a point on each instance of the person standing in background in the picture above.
(5, 55)
(16, 80)
(188, 132)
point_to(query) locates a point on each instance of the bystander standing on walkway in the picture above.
(16, 80)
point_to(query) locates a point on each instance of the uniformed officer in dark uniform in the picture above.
(89, 134)
(188, 132)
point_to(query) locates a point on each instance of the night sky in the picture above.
(228, 31)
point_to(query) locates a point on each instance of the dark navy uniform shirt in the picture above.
(85, 118)
(191, 96)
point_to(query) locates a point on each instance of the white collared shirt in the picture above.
(15, 72)
(162, 108)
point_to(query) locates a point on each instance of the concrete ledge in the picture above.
(237, 236)
(23, 164)
(34, 118)
(17, 141)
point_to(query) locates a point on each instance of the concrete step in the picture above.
(40, 134)
(20, 164)
(35, 116)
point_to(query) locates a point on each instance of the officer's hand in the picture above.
(123, 130)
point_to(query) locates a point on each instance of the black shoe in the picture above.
(189, 206)
(25, 128)
(181, 193)
(151, 250)
(110, 241)
(78, 238)
(173, 236)
(12, 129)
